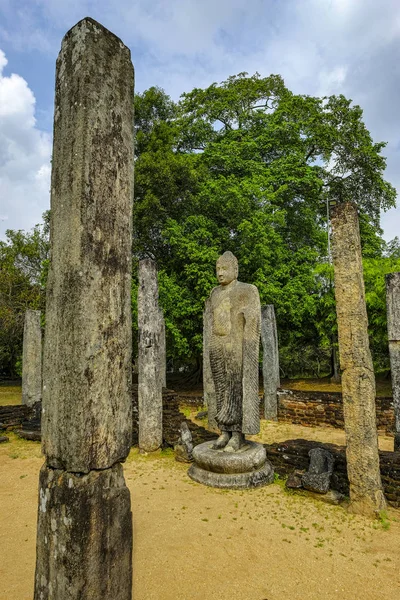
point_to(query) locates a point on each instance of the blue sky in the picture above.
(320, 47)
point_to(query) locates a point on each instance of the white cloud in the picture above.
(320, 47)
(24, 155)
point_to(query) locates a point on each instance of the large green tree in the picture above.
(248, 166)
(23, 271)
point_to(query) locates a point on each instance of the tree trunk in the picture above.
(358, 380)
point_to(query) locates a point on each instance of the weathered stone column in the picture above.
(393, 324)
(269, 339)
(163, 351)
(210, 399)
(358, 380)
(84, 539)
(32, 359)
(150, 378)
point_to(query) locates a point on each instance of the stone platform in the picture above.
(246, 468)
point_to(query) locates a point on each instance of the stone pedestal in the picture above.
(246, 468)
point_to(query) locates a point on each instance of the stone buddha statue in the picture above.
(233, 351)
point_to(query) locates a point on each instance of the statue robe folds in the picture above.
(232, 352)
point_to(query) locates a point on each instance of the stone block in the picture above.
(84, 541)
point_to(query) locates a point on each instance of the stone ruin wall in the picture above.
(293, 454)
(325, 408)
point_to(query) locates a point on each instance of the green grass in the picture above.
(10, 394)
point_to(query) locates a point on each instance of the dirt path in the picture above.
(198, 543)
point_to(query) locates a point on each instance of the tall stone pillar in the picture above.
(163, 351)
(32, 359)
(210, 399)
(393, 324)
(84, 538)
(150, 377)
(269, 339)
(358, 380)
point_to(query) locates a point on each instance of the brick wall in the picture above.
(325, 408)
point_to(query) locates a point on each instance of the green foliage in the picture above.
(23, 260)
(248, 166)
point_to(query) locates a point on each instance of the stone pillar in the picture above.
(150, 378)
(210, 399)
(269, 339)
(163, 351)
(32, 359)
(358, 380)
(393, 324)
(84, 539)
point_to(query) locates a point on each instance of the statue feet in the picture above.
(222, 441)
(237, 441)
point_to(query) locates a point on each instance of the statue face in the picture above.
(226, 272)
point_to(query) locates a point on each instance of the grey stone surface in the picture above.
(331, 497)
(232, 319)
(150, 379)
(393, 305)
(293, 482)
(358, 380)
(3, 438)
(84, 536)
(271, 378)
(86, 421)
(84, 543)
(163, 351)
(393, 324)
(246, 468)
(184, 447)
(318, 476)
(32, 359)
(250, 457)
(208, 384)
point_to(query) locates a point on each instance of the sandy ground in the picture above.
(197, 543)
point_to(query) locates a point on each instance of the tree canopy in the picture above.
(247, 166)
(250, 167)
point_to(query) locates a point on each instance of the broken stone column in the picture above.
(210, 399)
(269, 339)
(150, 378)
(393, 324)
(84, 537)
(358, 379)
(32, 359)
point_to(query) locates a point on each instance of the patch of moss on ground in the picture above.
(10, 394)
(17, 447)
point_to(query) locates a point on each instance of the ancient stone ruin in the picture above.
(32, 359)
(151, 355)
(358, 379)
(393, 324)
(84, 535)
(233, 317)
(270, 366)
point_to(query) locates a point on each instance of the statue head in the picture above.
(227, 268)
